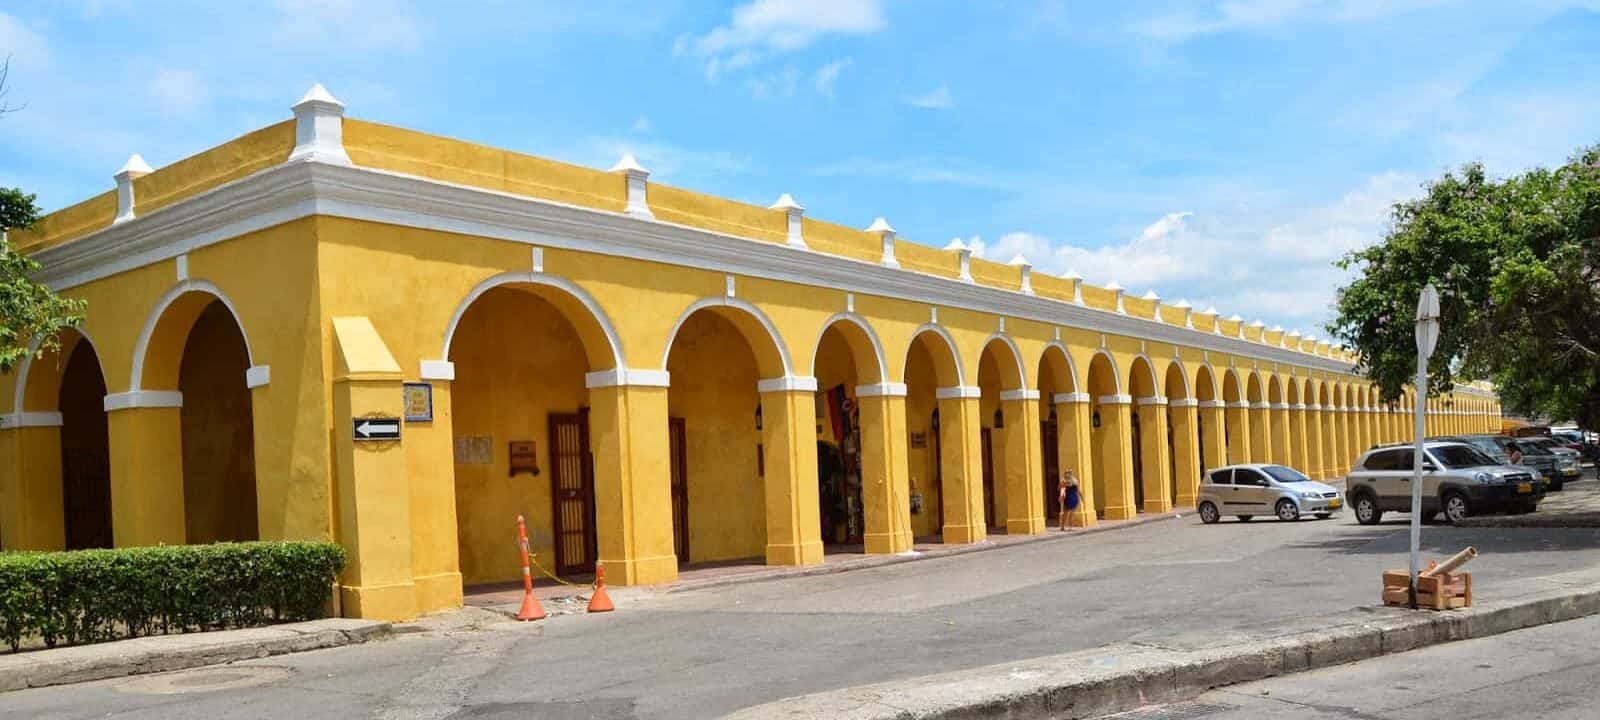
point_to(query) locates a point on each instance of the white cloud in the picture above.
(931, 170)
(1280, 270)
(935, 99)
(26, 48)
(764, 28)
(178, 92)
(827, 77)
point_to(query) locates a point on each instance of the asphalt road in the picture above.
(1544, 672)
(704, 653)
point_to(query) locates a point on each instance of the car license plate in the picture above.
(1524, 488)
(1335, 504)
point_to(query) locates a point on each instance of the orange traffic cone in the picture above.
(600, 602)
(531, 610)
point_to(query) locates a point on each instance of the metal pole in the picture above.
(1416, 474)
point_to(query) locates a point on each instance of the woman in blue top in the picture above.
(1069, 498)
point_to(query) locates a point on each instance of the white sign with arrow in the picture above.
(376, 428)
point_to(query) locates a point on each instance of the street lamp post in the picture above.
(1427, 336)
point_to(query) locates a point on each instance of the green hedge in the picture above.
(87, 596)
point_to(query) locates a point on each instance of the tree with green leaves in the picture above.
(29, 311)
(1517, 265)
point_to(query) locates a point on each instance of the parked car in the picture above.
(1579, 441)
(1457, 479)
(1245, 491)
(1556, 469)
(1551, 444)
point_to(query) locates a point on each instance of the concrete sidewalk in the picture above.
(163, 653)
(1124, 676)
(1575, 506)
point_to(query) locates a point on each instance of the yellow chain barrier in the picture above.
(535, 560)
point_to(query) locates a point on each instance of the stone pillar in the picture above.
(885, 471)
(1214, 450)
(1238, 433)
(1072, 418)
(1153, 455)
(1330, 442)
(32, 509)
(961, 466)
(1116, 455)
(1186, 451)
(435, 551)
(1024, 478)
(1314, 454)
(633, 485)
(1280, 434)
(146, 447)
(789, 442)
(373, 485)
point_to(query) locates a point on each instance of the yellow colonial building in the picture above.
(336, 329)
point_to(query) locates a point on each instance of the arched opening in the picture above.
(1059, 432)
(1002, 438)
(936, 460)
(847, 356)
(1236, 430)
(219, 467)
(521, 352)
(1109, 426)
(1260, 424)
(1148, 446)
(1209, 420)
(716, 358)
(85, 449)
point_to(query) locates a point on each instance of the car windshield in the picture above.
(1460, 456)
(1285, 475)
(1486, 445)
(1569, 437)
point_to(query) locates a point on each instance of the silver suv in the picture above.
(1457, 479)
(1245, 491)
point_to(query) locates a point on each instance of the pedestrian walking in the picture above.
(1069, 498)
(1516, 455)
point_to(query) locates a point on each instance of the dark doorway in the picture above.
(572, 482)
(1138, 465)
(85, 456)
(678, 438)
(1172, 464)
(938, 467)
(1050, 448)
(988, 478)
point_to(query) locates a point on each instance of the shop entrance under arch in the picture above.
(85, 451)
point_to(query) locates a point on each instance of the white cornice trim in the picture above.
(1280, 406)
(957, 392)
(1260, 406)
(292, 191)
(439, 370)
(627, 376)
(1184, 403)
(1212, 404)
(1314, 408)
(1297, 406)
(257, 376)
(30, 419)
(143, 399)
(1019, 395)
(1068, 398)
(881, 390)
(1241, 405)
(787, 383)
(1116, 399)
(1151, 400)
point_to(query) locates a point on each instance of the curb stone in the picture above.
(1124, 676)
(165, 653)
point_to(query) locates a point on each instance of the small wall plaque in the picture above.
(474, 451)
(418, 400)
(524, 457)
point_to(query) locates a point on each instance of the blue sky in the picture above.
(1221, 152)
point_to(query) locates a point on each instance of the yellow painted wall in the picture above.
(714, 391)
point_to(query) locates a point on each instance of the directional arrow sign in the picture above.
(377, 428)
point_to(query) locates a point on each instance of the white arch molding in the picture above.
(1072, 367)
(1157, 383)
(1116, 374)
(141, 348)
(1016, 355)
(950, 342)
(872, 337)
(732, 302)
(1211, 372)
(530, 278)
(1183, 374)
(26, 366)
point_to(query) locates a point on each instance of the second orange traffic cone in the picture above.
(600, 601)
